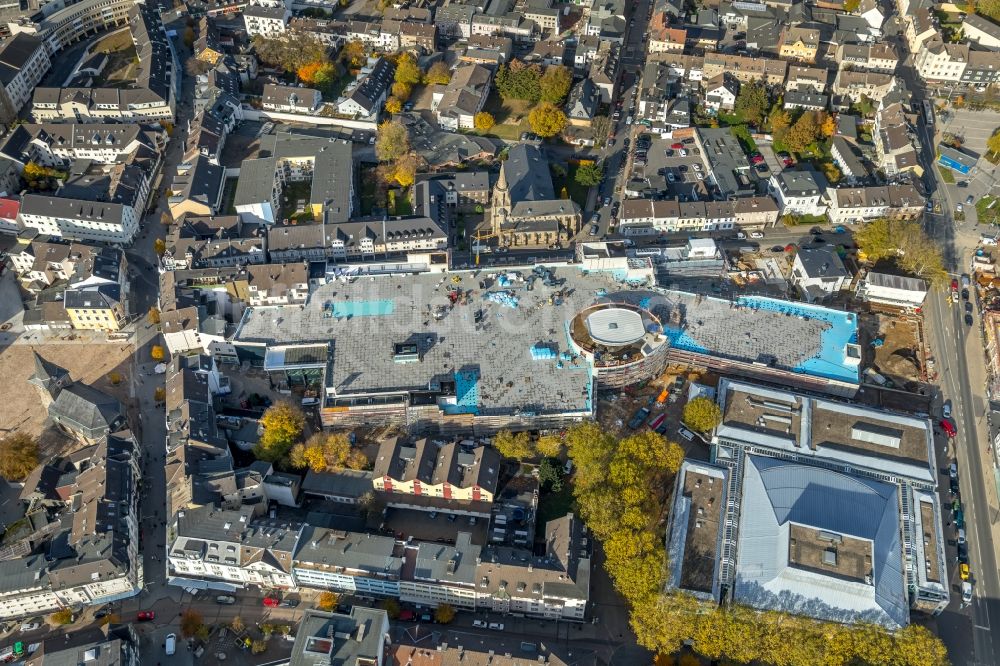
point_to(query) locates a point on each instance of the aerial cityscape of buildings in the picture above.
(285, 285)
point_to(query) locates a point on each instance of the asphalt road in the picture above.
(958, 350)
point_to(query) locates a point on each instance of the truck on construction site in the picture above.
(638, 418)
(876, 377)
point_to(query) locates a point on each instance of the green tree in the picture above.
(282, 425)
(550, 474)
(589, 175)
(905, 242)
(438, 73)
(752, 103)
(191, 621)
(188, 37)
(407, 70)
(514, 445)
(392, 141)
(554, 84)
(393, 105)
(290, 51)
(993, 143)
(702, 414)
(391, 608)
(805, 131)
(549, 446)
(519, 81)
(547, 120)
(327, 601)
(405, 169)
(851, 6)
(156, 353)
(352, 53)
(153, 315)
(601, 126)
(62, 616)
(402, 91)
(444, 614)
(483, 121)
(780, 122)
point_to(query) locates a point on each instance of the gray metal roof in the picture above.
(777, 493)
(355, 551)
(256, 181)
(332, 639)
(822, 262)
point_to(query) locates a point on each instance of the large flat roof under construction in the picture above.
(505, 344)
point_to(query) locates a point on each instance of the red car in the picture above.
(759, 159)
(948, 428)
(145, 616)
(677, 146)
(407, 616)
(954, 285)
(271, 602)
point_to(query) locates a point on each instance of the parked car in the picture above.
(756, 234)
(479, 623)
(170, 644)
(145, 616)
(953, 470)
(225, 600)
(946, 412)
(30, 626)
(948, 427)
(271, 602)
(968, 319)
(289, 603)
(966, 592)
(683, 152)
(965, 294)
(677, 146)
(963, 571)
(953, 485)
(595, 230)
(496, 626)
(407, 616)
(426, 617)
(686, 434)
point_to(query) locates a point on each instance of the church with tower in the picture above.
(82, 412)
(525, 211)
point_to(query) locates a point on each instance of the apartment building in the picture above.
(213, 242)
(449, 472)
(938, 61)
(88, 554)
(266, 21)
(457, 104)
(197, 188)
(981, 30)
(59, 144)
(24, 61)
(98, 203)
(152, 97)
(797, 193)
(363, 99)
(291, 99)
(799, 43)
(277, 284)
(855, 85)
(348, 562)
(232, 548)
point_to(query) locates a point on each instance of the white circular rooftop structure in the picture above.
(615, 327)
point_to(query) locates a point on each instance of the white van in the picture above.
(170, 645)
(966, 592)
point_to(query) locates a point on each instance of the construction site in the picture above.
(895, 351)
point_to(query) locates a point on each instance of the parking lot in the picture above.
(667, 167)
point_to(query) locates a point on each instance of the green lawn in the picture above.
(369, 190)
(229, 196)
(988, 210)
(511, 117)
(399, 204)
(946, 174)
(575, 190)
(553, 505)
(290, 198)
